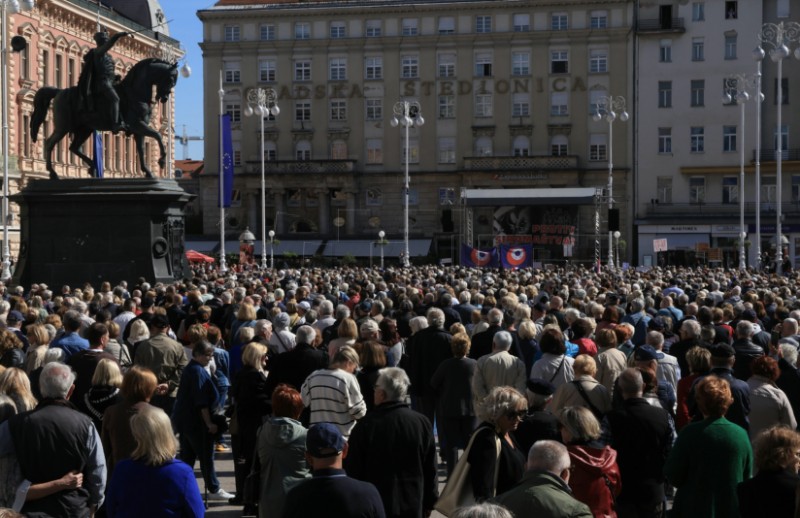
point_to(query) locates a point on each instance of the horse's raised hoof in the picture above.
(54, 176)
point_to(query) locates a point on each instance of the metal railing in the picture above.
(662, 24)
(717, 209)
(516, 163)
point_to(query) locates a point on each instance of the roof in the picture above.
(563, 196)
(190, 167)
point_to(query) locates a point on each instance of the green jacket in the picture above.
(542, 494)
(706, 464)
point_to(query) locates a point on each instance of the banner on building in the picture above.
(516, 256)
(226, 162)
(660, 245)
(97, 153)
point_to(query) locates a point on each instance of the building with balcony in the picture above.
(507, 89)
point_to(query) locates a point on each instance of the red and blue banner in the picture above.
(475, 257)
(516, 256)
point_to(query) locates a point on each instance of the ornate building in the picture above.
(507, 89)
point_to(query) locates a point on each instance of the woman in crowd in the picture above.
(584, 390)
(152, 482)
(104, 392)
(390, 337)
(245, 317)
(595, 479)
(582, 336)
(139, 332)
(609, 320)
(496, 462)
(15, 384)
(39, 340)
(554, 366)
(769, 405)
(115, 348)
(11, 353)
(710, 458)
(281, 451)
(527, 344)
(699, 361)
(372, 359)
(347, 336)
(771, 493)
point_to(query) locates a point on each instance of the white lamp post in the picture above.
(616, 245)
(223, 267)
(736, 88)
(261, 102)
(12, 7)
(407, 114)
(758, 55)
(381, 235)
(776, 36)
(272, 249)
(608, 107)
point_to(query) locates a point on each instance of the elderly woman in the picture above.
(554, 366)
(347, 336)
(280, 453)
(152, 482)
(771, 493)
(139, 332)
(104, 391)
(710, 458)
(496, 462)
(372, 360)
(699, 361)
(584, 390)
(595, 479)
(526, 343)
(769, 405)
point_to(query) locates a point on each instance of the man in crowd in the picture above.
(166, 358)
(497, 369)
(71, 341)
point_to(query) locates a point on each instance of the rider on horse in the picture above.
(97, 79)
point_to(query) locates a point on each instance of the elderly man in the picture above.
(56, 443)
(426, 350)
(639, 320)
(393, 447)
(544, 490)
(667, 370)
(497, 370)
(723, 358)
(482, 342)
(166, 358)
(263, 332)
(745, 350)
(282, 339)
(293, 367)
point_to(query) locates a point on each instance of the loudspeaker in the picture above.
(447, 220)
(613, 220)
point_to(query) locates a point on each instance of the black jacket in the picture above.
(294, 366)
(426, 350)
(770, 494)
(330, 492)
(482, 342)
(746, 352)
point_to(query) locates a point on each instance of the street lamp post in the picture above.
(608, 107)
(616, 245)
(271, 250)
(381, 235)
(223, 267)
(261, 102)
(736, 89)
(407, 114)
(758, 55)
(776, 36)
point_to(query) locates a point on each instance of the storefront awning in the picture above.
(554, 196)
(367, 248)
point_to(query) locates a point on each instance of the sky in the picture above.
(186, 27)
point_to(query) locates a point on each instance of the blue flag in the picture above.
(474, 257)
(516, 256)
(97, 151)
(226, 163)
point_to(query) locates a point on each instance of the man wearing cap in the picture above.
(723, 358)
(539, 424)
(70, 342)
(14, 321)
(329, 491)
(166, 358)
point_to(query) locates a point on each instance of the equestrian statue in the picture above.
(104, 102)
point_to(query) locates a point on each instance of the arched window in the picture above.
(522, 146)
(303, 150)
(559, 145)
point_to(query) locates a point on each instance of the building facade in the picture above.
(507, 91)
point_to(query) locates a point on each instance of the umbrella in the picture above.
(197, 257)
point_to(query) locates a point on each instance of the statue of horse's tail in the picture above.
(41, 103)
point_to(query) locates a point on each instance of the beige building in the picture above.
(507, 91)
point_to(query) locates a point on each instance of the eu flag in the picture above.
(226, 162)
(97, 152)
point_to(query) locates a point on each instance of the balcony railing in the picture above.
(301, 166)
(771, 155)
(520, 163)
(662, 25)
(672, 210)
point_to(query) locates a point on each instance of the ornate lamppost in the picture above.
(406, 114)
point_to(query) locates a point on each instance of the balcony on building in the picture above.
(301, 166)
(520, 163)
(661, 25)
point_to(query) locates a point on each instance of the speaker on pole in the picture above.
(613, 220)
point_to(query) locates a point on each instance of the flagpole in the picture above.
(222, 266)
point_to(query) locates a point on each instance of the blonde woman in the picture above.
(347, 336)
(104, 391)
(152, 482)
(15, 384)
(139, 331)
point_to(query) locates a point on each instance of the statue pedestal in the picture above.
(92, 230)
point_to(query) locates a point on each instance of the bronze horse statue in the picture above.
(136, 106)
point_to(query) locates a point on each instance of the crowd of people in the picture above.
(348, 391)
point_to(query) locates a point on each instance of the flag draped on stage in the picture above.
(226, 192)
(516, 256)
(474, 257)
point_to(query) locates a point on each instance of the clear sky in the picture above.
(186, 28)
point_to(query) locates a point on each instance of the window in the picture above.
(374, 151)
(233, 73)
(337, 69)
(730, 46)
(447, 106)
(520, 63)
(558, 104)
(483, 105)
(446, 65)
(598, 20)
(522, 22)
(232, 33)
(697, 189)
(338, 110)
(729, 138)
(559, 61)
(665, 94)
(698, 139)
(783, 9)
(698, 89)
(25, 147)
(374, 108)
(483, 24)
(24, 59)
(784, 88)
(594, 100)
(520, 105)
(45, 67)
(768, 190)
(266, 70)
(59, 71)
(664, 189)
(410, 27)
(483, 64)
(447, 25)
(483, 146)
(338, 150)
(730, 189)
(521, 146)
(559, 146)
(373, 68)
(373, 28)
(303, 150)
(409, 67)
(302, 70)
(447, 150)
(413, 150)
(558, 22)
(338, 30)
(302, 31)
(795, 188)
(71, 72)
(665, 140)
(267, 31)
(270, 151)
(731, 10)
(784, 140)
(234, 109)
(698, 49)
(698, 11)
(598, 148)
(302, 111)
(665, 51)
(598, 61)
